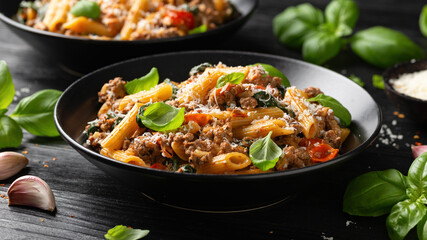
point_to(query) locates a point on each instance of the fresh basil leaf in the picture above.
(86, 8)
(10, 132)
(234, 78)
(3, 111)
(121, 232)
(339, 110)
(423, 21)
(377, 81)
(199, 68)
(374, 193)
(343, 14)
(7, 89)
(422, 228)
(265, 153)
(294, 24)
(35, 113)
(200, 29)
(274, 72)
(143, 83)
(162, 117)
(320, 47)
(384, 47)
(141, 111)
(417, 176)
(403, 217)
(357, 80)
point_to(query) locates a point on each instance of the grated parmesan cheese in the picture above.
(412, 84)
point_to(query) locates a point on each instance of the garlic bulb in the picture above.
(31, 191)
(11, 163)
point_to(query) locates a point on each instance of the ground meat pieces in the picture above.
(258, 76)
(248, 103)
(312, 92)
(331, 137)
(112, 90)
(232, 95)
(149, 147)
(293, 158)
(287, 140)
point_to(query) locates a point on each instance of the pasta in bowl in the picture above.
(222, 120)
(208, 191)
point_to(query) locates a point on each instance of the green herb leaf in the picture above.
(422, 228)
(320, 47)
(265, 153)
(403, 217)
(374, 193)
(339, 110)
(272, 71)
(357, 80)
(162, 117)
(3, 111)
(377, 81)
(86, 8)
(35, 113)
(199, 68)
(143, 83)
(234, 78)
(423, 21)
(265, 99)
(384, 47)
(10, 132)
(7, 89)
(121, 232)
(200, 29)
(343, 14)
(417, 176)
(294, 24)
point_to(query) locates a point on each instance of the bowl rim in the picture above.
(240, 19)
(213, 177)
(388, 86)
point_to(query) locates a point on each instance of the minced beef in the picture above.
(112, 90)
(293, 158)
(312, 92)
(258, 76)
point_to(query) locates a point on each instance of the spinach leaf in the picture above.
(143, 83)
(417, 177)
(343, 14)
(92, 127)
(403, 217)
(199, 68)
(422, 228)
(121, 232)
(86, 8)
(320, 47)
(265, 153)
(294, 24)
(200, 29)
(374, 193)
(35, 113)
(377, 81)
(265, 99)
(188, 169)
(10, 132)
(274, 72)
(141, 111)
(384, 47)
(339, 110)
(357, 80)
(7, 89)
(234, 78)
(423, 21)
(162, 117)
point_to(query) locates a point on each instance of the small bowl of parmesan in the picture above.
(406, 86)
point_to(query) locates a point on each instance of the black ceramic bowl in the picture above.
(78, 105)
(414, 108)
(79, 55)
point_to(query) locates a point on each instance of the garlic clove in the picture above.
(11, 163)
(418, 150)
(31, 191)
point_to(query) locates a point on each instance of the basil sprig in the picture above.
(34, 113)
(377, 81)
(234, 78)
(86, 8)
(272, 71)
(339, 110)
(322, 36)
(121, 232)
(200, 29)
(264, 153)
(143, 83)
(381, 192)
(162, 117)
(423, 21)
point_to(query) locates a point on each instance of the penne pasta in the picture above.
(56, 14)
(229, 162)
(261, 129)
(83, 25)
(123, 156)
(132, 18)
(159, 93)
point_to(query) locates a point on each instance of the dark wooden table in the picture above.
(89, 202)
